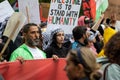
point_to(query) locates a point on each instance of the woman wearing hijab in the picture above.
(56, 48)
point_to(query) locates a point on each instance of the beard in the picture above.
(86, 41)
(34, 42)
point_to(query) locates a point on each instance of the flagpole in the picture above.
(96, 25)
(28, 18)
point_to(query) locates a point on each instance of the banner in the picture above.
(89, 8)
(63, 14)
(44, 69)
(30, 8)
(5, 10)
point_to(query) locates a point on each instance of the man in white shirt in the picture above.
(29, 50)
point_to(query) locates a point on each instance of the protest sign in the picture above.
(30, 8)
(12, 25)
(5, 10)
(63, 14)
(44, 69)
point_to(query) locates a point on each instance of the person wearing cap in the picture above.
(56, 48)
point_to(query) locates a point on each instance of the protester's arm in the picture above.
(96, 25)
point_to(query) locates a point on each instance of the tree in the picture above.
(46, 1)
(12, 1)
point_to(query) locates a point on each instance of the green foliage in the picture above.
(11, 1)
(45, 1)
(1, 0)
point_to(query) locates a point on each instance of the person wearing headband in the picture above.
(81, 65)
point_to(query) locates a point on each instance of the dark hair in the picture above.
(108, 21)
(27, 26)
(43, 24)
(54, 40)
(87, 21)
(112, 48)
(78, 32)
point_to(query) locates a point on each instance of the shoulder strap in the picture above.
(105, 70)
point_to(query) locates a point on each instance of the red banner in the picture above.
(44, 69)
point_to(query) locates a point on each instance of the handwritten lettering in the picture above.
(61, 20)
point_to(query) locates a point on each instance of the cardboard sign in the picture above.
(14, 25)
(63, 14)
(30, 8)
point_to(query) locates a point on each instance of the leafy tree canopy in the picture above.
(12, 1)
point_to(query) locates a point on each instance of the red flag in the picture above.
(89, 8)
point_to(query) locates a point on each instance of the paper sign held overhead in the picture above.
(13, 26)
(5, 10)
(30, 8)
(63, 14)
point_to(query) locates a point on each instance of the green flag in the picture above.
(101, 6)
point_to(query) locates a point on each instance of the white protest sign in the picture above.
(5, 10)
(14, 25)
(31, 10)
(63, 14)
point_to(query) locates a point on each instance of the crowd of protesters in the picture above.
(91, 54)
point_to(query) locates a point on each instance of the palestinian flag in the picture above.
(101, 6)
(15, 6)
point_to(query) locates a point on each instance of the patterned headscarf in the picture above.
(56, 31)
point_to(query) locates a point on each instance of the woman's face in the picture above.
(60, 37)
(71, 69)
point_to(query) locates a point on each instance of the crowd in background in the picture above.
(91, 54)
